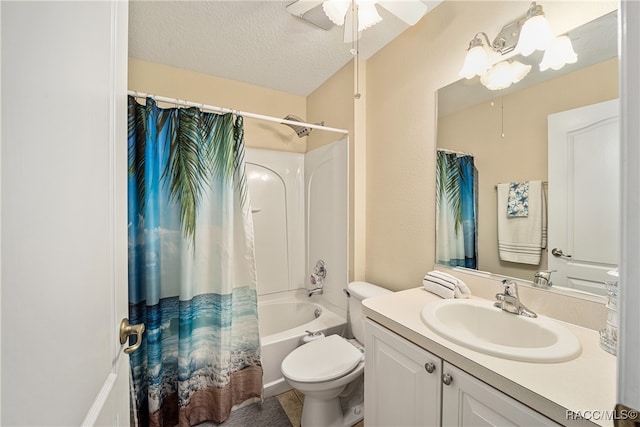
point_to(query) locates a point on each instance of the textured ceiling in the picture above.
(256, 42)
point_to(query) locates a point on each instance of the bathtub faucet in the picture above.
(316, 291)
(317, 278)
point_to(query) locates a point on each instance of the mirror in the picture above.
(506, 132)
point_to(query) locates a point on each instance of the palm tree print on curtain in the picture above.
(456, 187)
(192, 277)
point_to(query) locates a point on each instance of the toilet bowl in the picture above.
(322, 369)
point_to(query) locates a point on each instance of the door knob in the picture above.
(126, 330)
(430, 367)
(557, 252)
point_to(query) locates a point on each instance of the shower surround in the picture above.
(300, 215)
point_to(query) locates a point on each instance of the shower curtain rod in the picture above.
(215, 109)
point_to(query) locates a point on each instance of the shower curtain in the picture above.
(456, 224)
(192, 277)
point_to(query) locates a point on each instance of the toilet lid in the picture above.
(321, 360)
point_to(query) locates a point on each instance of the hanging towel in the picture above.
(518, 203)
(445, 285)
(521, 239)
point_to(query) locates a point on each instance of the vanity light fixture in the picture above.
(524, 35)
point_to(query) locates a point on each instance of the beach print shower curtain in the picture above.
(192, 277)
(456, 187)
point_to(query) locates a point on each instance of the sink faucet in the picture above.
(542, 279)
(509, 300)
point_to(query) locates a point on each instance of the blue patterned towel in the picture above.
(518, 202)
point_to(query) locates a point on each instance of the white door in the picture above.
(584, 195)
(64, 218)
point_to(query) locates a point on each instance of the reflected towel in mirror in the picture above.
(518, 203)
(521, 239)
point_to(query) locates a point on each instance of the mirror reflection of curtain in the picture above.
(456, 224)
(192, 267)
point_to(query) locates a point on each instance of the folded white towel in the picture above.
(445, 285)
(438, 289)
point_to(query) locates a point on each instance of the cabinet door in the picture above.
(467, 401)
(399, 389)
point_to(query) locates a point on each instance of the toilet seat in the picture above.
(322, 360)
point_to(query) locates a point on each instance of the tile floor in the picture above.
(291, 401)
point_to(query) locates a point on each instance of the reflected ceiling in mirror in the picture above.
(594, 42)
(506, 130)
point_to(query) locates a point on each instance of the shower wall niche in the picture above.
(300, 215)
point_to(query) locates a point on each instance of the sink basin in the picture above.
(478, 325)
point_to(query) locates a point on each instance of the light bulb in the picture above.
(535, 35)
(336, 10)
(476, 63)
(367, 14)
(559, 53)
(519, 71)
(504, 74)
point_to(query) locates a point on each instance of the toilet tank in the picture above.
(358, 292)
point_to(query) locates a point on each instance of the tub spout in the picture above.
(316, 291)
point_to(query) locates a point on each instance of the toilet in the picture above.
(322, 369)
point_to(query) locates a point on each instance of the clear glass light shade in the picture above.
(336, 10)
(504, 74)
(559, 53)
(535, 35)
(367, 14)
(476, 63)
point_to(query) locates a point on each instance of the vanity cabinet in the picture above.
(402, 381)
(467, 401)
(406, 385)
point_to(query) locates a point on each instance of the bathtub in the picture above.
(284, 318)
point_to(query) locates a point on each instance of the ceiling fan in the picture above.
(327, 13)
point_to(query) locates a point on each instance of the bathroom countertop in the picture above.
(586, 383)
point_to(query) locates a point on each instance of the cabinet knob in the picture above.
(430, 367)
(447, 379)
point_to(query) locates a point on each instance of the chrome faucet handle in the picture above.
(509, 300)
(542, 278)
(510, 288)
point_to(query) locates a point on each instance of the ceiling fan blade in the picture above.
(300, 7)
(410, 11)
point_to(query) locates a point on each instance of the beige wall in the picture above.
(522, 153)
(393, 127)
(334, 103)
(148, 77)
(402, 80)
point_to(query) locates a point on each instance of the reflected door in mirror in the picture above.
(584, 172)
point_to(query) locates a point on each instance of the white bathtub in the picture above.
(284, 318)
